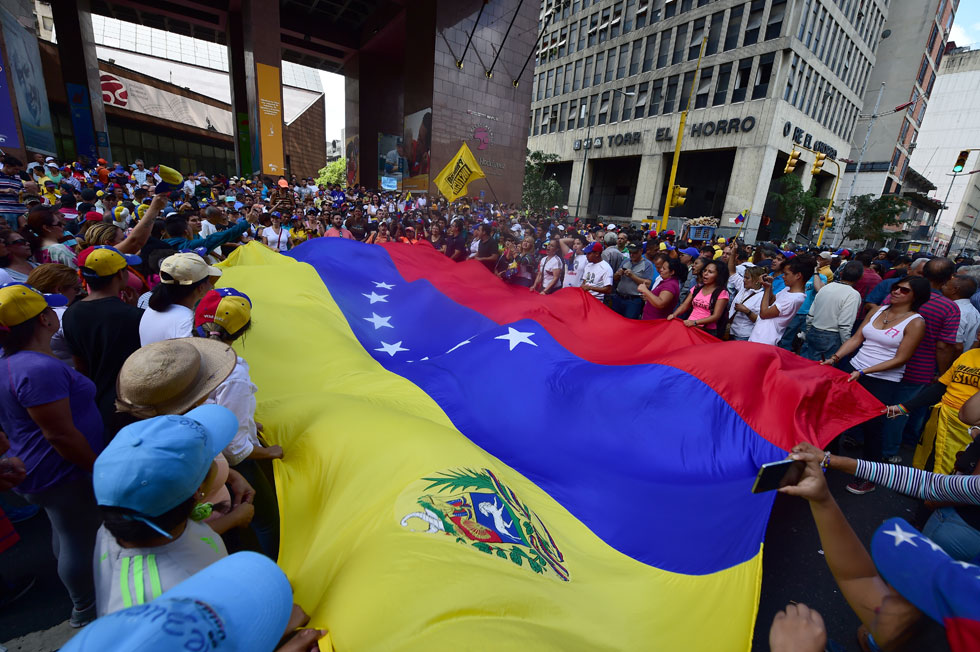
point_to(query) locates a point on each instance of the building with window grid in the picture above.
(612, 77)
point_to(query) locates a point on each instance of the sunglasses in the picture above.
(902, 289)
(19, 241)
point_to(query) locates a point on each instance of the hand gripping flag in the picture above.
(461, 169)
(469, 464)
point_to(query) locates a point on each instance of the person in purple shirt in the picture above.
(48, 411)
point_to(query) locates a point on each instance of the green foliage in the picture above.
(868, 216)
(796, 204)
(541, 189)
(460, 480)
(333, 173)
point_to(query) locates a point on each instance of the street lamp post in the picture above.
(585, 159)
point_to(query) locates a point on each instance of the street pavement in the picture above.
(794, 568)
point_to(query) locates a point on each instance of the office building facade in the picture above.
(613, 76)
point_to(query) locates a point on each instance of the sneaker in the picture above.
(895, 459)
(860, 487)
(21, 514)
(14, 591)
(81, 618)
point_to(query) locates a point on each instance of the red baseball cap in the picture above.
(93, 216)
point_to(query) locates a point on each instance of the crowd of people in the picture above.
(130, 419)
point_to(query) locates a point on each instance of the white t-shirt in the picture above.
(573, 276)
(175, 321)
(770, 331)
(550, 268)
(276, 240)
(5, 277)
(148, 572)
(598, 274)
(207, 229)
(237, 393)
(966, 333)
(742, 326)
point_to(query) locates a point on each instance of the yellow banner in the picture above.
(270, 118)
(453, 179)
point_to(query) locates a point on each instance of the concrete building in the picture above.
(952, 125)
(612, 77)
(912, 46)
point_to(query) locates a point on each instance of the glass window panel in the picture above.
(704, 89)
(714, 33)
(656, 97)
(650, 53)
(724, 78)
(680, 42)
(734, 28)
(670, 96)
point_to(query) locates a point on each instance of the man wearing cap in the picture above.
(101, 330)
(597, 275)
(635, 269)
(147, 482)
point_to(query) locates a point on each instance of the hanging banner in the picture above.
(24, 60)
(244, 145)
(8, 123)
(149, 100)
(353, 153)
(270, 118)
(417, 143)
(81, 123)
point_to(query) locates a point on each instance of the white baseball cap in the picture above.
(185, 269)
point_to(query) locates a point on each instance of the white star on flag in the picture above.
(383, 298)
(901, 536)
(391, 349)
(379, 321)
(966, 564)
(383, 286)
(932, 544)
(515, 337)
(458, 345)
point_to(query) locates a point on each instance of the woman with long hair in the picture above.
(17, 261)
(184, 279)
(550, 269)
(660, 299)
(436, 238)
(275, 237)
(44, 231)
(708, 300)
(745, 306)
(55, 278)
(882, 345)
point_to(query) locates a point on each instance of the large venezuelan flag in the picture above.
(471, 466)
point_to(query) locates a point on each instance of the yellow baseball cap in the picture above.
(226, 307)
(20, 302)
(103, 260)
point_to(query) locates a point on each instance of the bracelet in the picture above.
(904, 410)
(860, 372)
(826, 461)
(970, 430)
(835, 358)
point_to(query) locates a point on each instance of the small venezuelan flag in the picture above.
(741, 216)
(470, 466)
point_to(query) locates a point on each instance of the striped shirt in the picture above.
(942, 318)
(10, 203)
(961, 489)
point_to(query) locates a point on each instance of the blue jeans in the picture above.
(631, 307)
(795, 325)
(894, 428)
(953, 534)
(820, 345)
(885, 391)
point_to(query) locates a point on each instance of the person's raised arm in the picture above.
(768, 309)
(138, 237)
(54, 420)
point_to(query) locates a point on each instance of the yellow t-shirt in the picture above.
(962, 379)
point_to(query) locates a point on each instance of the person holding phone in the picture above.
(881, 346)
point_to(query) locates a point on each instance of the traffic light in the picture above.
(961, 160)
(794, 158)
(678, 196)
(818, 163)
(820, 221)
(828, 221)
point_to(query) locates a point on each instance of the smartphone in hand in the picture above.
(774, 475)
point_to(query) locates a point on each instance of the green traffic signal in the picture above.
(961, 161)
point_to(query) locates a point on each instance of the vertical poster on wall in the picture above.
(391, 162)
(417, 145)
(24, 60)
(270, 118)
(353, 152)
(81, 123)
(244, 144)
(8, 123)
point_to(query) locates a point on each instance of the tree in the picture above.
(796, 204)
(333, 173)
(541, 188)
(867, 216)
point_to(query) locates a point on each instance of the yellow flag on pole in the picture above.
(461, 169)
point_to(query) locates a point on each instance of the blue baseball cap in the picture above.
(594, 246)
(690, 251)
(152, 466)
(217, 608)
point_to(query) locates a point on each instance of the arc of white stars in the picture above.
(463, 343)
(375, 298)
(383, 286)
(378, 321)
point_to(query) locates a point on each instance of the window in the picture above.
(811, 25)
(656, 97)
(686, 5)
(635, 58)
(561, 117)
(763, 76)
(614, 107)
(791, 78)
(774, 26)
(932, 38)
(549, 84)
(582, 111)
(587, 75)
(630, 15)
(734, 28)
(895, 158)
(650, 53)
(568, 78)
(742, 76)
(754, 23)
(577, 79)
(539, 93)
(572, 111)
(714, 33)
(572, 36)
(724, 78)
(593, 29)
(680, 42)
(593, 105)
(697, 35)
(641, 13)
(624, 54)
(628, 102)
(604, 25)
(671, 95)
(670, 8)
(803, 18)
(664, 49)
(610, 64)
(617, 20)
(923, 69)
(604, 109)
(536, 121)
(818, 34)
(704, 89)
(599, 60)
(562, 42)
(641, 100)
(559, 80)
(582, 32)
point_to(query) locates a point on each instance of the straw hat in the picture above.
(172, 376)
